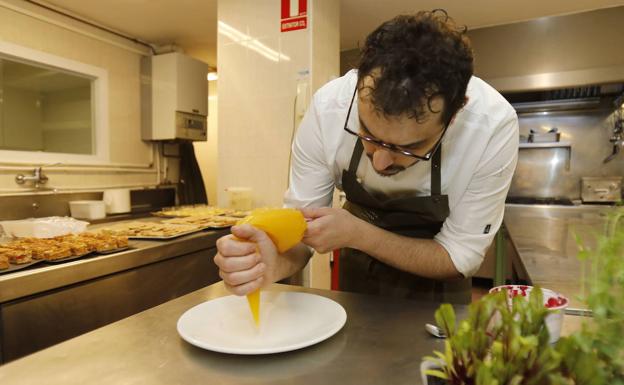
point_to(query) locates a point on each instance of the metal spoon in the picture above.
(435, 331)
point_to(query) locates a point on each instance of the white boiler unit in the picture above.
(174, 98)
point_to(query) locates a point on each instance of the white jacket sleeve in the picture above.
(473, 222)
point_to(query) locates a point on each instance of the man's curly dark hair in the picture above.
(418, 57)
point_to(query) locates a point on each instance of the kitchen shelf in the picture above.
(545, 145)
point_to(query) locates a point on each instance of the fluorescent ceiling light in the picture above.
(212, 76)
(247, 41)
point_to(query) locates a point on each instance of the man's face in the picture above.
(417, 137)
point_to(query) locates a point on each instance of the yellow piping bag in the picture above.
(285, 227)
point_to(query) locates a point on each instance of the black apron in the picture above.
(416, 217)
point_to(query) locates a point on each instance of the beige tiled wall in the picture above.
(256, 99)
(206, 152)
(126, 146)
(257, 95)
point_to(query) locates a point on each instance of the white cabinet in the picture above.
(179, 98)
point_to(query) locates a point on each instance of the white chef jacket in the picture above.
(479, 154)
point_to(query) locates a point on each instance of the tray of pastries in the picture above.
(205, 222)
(152, 230)
(12, 259)
(23, 252)
(199, 211)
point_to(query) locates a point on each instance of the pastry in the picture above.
(56, 253)
(122, 241)
(18, 256)
(4, 262)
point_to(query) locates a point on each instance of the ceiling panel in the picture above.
(192, 24)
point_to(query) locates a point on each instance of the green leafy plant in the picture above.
(502, 345)
(498, 343)
(598, 348)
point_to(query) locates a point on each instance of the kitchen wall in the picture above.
(206, 152)
(558, 50)
(259, 68)
(588, 133)
(132, 162)
(552, 52)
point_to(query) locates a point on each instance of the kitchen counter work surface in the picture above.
(383, 341)
(544, 237)
(41, 278)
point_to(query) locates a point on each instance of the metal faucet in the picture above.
(37, 177)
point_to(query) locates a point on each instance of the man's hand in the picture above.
(330, 228)
(247, 260)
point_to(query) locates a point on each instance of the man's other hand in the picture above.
(329, 228)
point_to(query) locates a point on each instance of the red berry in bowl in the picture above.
(552, 302)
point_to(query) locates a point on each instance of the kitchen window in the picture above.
(52, 109)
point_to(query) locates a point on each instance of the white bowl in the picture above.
(87, 209)
(552, 300)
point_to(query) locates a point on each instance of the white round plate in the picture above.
(288, 321)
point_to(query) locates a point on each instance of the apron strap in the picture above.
(355, 157)
(436, 179)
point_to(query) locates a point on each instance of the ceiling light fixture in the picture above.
(212, 76)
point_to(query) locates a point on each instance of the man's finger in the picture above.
(315, 212)
(246, 288)
(231, 246)
(313, 228)
(242, 277)
(233, 264)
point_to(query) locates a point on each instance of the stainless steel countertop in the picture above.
(38, 279)
(382, 342)
(544, 237)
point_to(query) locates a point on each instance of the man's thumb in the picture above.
(250, 233)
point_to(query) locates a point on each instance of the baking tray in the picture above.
(13, 268)
(237, 214)
(216, 227)
(113, 251)
(163, 215)
(72, 258)
(164, 238)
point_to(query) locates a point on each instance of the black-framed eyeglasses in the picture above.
(389, 146)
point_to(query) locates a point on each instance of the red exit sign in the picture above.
(294, 15)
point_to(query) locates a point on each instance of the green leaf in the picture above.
(445, 318)
(436, 373)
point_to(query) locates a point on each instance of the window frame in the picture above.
(99, 104)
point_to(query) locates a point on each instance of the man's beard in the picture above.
(390, 171)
